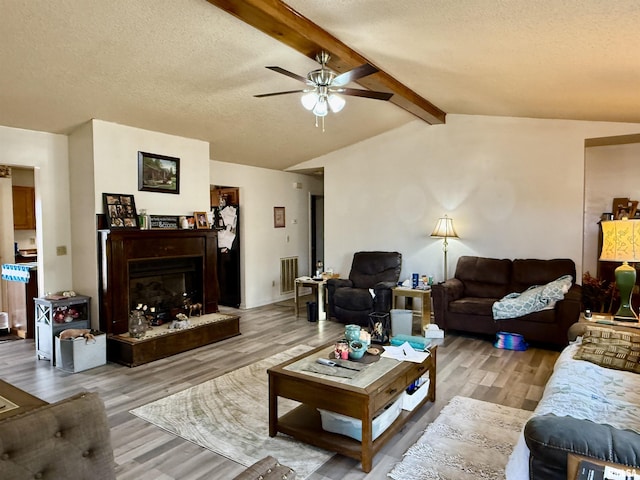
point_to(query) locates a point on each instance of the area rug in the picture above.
(469, 440)
(229, 415)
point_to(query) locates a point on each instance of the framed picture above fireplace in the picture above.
(158, 173)
(120, 210)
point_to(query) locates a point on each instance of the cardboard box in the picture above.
(78, 354)
(352, 427)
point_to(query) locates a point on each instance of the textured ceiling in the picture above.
(190, 69)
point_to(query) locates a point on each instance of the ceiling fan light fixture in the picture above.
(324, 86)
(322, 107)
(336, 102)
(309, 100)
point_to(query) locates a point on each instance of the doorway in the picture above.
(317, 232)
(19, 246)
(225, 212)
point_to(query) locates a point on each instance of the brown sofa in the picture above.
(464, 303)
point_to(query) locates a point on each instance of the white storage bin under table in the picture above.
(352, 427)
(411, 400)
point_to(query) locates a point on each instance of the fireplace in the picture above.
(157, 268)
(166, 285)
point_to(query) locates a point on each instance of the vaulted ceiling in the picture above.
(191, 68)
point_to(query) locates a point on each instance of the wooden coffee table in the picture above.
(360, 397)
(11, 396)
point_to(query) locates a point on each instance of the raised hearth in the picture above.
(162, 342)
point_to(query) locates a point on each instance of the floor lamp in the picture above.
(621, 243)
(444, 229)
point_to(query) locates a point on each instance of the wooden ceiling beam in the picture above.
(278, 20)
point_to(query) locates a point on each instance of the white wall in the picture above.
(104, 159)
(611, 171)
(48, 153)
(262, 245)
(514, 187)
(116, 168)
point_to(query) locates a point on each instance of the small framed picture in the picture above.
(618, 204)
(120, 210)
(201, 220)
(158, 173)
(278, 217)
(627, 211)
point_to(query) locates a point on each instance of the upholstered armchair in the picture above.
(368, 288)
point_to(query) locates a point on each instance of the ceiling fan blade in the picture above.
(355, 74)
(278, 93)
(288, 73)
(365, 93)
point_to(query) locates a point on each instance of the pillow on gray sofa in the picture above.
(610, 348)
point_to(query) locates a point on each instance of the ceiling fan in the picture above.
(325, 87)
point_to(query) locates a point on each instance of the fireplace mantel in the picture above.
(118, 248)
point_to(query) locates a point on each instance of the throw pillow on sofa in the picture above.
(610, 348)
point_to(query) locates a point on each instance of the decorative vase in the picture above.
(352, 332)
(137, 324)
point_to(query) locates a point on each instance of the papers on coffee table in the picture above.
(404, 353)
(6, 405)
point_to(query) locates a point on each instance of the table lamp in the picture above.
(621, 243)
(444, 229)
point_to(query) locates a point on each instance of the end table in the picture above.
(425, 299)
(47, 325)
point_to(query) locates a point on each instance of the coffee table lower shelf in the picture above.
(305, 424)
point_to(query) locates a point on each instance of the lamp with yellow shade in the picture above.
(621, 243)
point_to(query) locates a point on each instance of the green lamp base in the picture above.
(625, 281)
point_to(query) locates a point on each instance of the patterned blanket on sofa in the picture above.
(533, 299)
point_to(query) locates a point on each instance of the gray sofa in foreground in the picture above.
(590, 407)
(71, 439)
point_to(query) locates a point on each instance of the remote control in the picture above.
(325, 361)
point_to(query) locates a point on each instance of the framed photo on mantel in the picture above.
(120, 210)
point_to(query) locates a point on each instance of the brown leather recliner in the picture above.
(351, 300)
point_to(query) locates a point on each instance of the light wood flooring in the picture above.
(467, 366)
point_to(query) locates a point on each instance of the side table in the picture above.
(425, 299)
(318, 287)
(607, 319)
(56, 315)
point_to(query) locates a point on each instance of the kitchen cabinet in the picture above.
(221, 196)
(24, 208)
